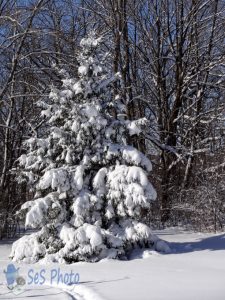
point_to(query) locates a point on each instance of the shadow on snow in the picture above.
(213, 243)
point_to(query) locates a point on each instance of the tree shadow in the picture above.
(213, 243)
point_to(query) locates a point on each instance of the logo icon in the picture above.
(14, 281)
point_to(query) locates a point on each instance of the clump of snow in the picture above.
(129, 189)
(77, 88)
(80, 207)
(99, 181)
(90, 42)
(81, 241)
(37, 210)
(132, 155)
(90, 111)
(57, 179)
(133, 128)
(28, 249)
(78, 177)
(83, 70)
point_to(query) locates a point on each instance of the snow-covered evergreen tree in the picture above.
(90, 184)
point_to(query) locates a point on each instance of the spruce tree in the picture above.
(90, 184)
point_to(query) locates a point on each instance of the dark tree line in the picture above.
(172, 62)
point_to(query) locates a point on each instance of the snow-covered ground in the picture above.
(195, 270)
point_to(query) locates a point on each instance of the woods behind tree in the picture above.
(170, 55)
